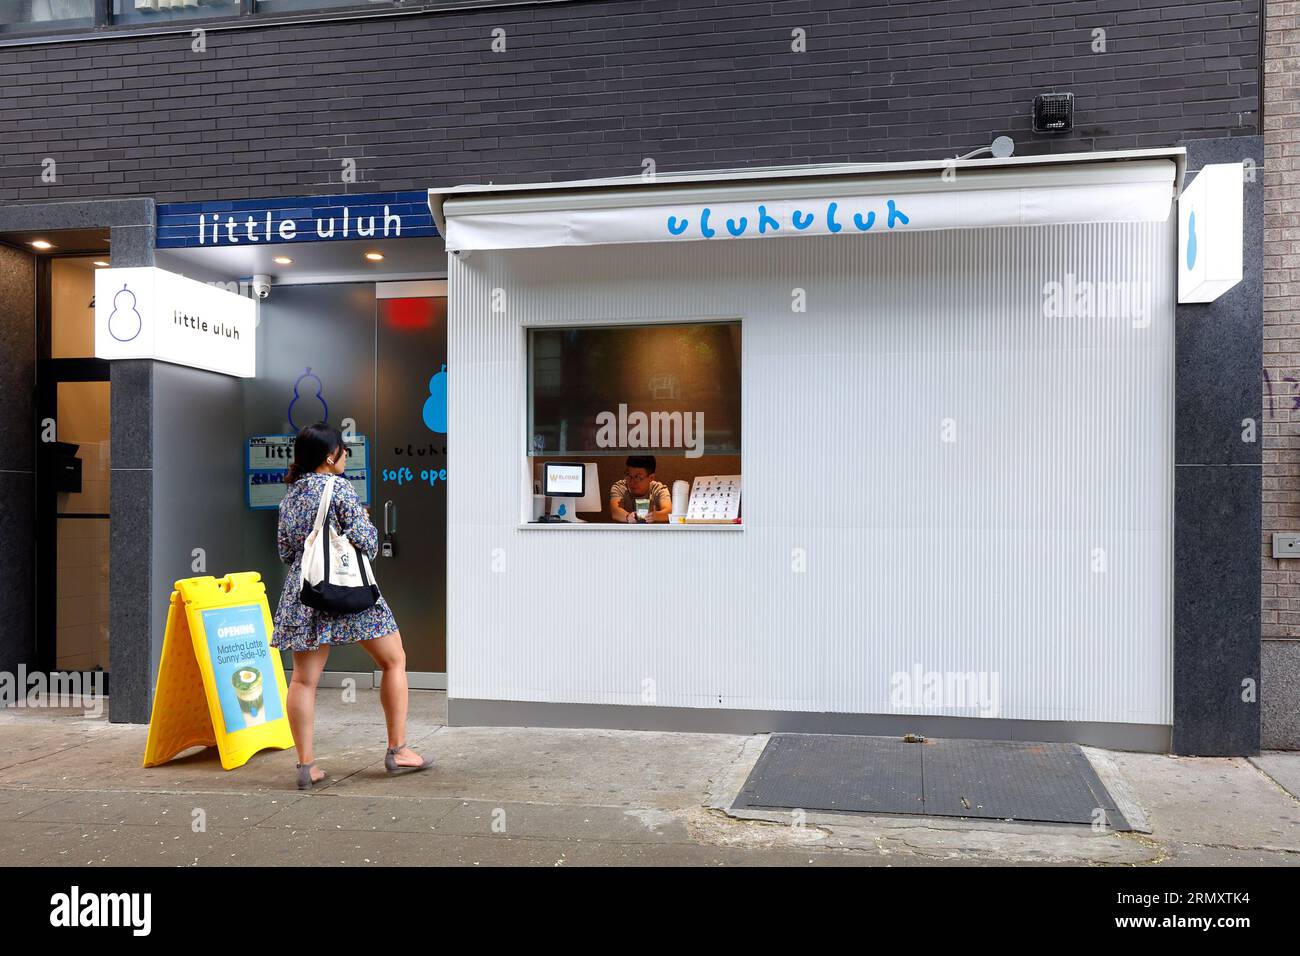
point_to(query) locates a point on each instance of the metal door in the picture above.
(410, 468)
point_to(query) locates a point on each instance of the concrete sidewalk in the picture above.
(72, 793)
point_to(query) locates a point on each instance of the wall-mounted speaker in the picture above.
(1053, 112)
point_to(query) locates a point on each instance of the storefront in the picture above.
(164, 460)
(943, 394)
(351, 297)
(892, 447)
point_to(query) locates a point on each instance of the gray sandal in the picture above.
(305, 782)
(394, 768)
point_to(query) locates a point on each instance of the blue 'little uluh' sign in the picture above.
(194, 225)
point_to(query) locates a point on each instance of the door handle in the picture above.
(388, 548)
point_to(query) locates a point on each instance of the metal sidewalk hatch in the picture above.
(985, 779)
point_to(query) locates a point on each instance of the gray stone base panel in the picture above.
(464, 712)
(1279, 695)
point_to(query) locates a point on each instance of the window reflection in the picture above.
(302, 6)
(18, 15)
(594, 389)
(162, 11)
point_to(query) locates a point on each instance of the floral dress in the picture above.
(301, 628)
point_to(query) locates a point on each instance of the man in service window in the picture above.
(656, 501)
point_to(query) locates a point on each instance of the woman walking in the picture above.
(319, 454)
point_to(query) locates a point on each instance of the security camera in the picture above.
(261, 286)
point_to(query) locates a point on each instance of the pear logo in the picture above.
(124, 323)
(307, 410)
(435, 406)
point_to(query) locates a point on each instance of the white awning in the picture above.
(785, 202)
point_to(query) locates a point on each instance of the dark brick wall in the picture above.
(594, 88)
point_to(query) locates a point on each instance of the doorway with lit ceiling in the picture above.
(68, 451)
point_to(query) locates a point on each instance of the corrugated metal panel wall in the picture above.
(974, 555)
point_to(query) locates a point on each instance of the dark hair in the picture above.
(642, 461)
(313, 445)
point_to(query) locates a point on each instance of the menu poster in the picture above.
(240, 656)
(267, 462)
(715, 499)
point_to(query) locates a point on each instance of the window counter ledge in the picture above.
(611, 526)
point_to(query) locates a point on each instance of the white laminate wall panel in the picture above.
(982, 554)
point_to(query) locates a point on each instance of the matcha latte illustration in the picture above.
(248, 688)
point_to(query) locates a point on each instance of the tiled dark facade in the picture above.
(18, 475)
(597, 88)
(1219, 348)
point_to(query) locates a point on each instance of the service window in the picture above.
(622, 414)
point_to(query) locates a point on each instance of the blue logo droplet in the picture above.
(435, 406)
(1191, 239)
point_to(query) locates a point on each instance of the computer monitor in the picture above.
(566, 507)
(564, 479)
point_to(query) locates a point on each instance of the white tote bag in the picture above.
(336, 576)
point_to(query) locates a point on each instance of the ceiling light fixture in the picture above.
(42, 244)
(375, 256)
(282, 261)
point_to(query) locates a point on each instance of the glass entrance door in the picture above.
(73, 516)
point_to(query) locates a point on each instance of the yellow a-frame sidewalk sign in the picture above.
(220, 683)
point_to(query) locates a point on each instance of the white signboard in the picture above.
(146, 312)
(1210, 233)
(1130, 192)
